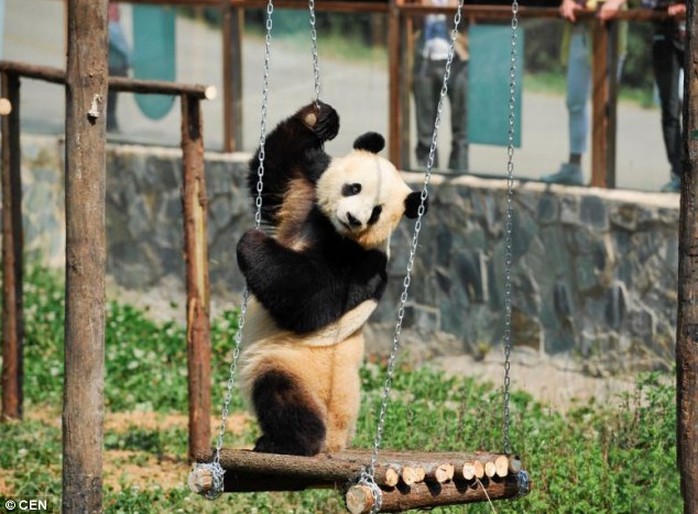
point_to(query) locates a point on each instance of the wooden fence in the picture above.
(195, 241)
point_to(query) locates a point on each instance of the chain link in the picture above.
(368, 476)
(215, 466)
(313, 44)
(508, 230)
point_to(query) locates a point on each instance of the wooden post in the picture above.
(85, 177)
(12, 246)
(687, 322)
(233, 26)
(395, 119)
(196, 259)
(599, 99)
(611, 102)
(406, 25)
(604, 94)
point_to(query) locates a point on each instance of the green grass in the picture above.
(592, 459)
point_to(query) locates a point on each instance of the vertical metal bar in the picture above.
(687, 319)
(599, 99)
(233, 26)
(12, 248)
(85, 182)
(196, 260)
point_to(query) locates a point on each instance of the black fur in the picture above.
(288, 422)
(293, 150)
(412, 203)
(370, 141)
(307, 290)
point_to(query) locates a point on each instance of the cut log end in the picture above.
(490, 469)
(210, 93)
(392, 477)
(359, 499)
(412, 475)
(5, 107)
(514, 465)
(441, 473)
(200, 480)
(501, 465)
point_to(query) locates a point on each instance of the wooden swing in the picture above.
(374, 480)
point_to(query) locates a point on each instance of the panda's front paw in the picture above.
(327, 125)
(321, 118)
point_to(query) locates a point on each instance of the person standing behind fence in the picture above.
(667, 62)
(577, 54)
(119, 61)
(431, 53)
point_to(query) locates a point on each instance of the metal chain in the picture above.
(313, 44)
(367, 477)
(215, 466)
(508, 230)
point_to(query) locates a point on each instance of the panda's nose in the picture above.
(352, 220)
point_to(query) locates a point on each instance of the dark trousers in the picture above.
(667, 62)
(427, 83)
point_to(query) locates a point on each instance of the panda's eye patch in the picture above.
(351, 189)
(375, 214)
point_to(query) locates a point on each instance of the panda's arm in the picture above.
(303, 294)
(296, 143)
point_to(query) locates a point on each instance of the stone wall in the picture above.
(594, 271)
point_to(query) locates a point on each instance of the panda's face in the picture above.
(364, 197)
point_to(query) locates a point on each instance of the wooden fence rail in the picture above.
(194, 214)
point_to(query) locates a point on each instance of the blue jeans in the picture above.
(578, 87)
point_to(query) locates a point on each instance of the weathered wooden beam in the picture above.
(12, 251)
(197, 281)
(125, 84)
(687, 320)
(85, 178)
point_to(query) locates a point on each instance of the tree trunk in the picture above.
(85, 165)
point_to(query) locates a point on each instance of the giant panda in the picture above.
(315, 276)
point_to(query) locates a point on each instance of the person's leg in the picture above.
(667, 61)
(425, 108)
(577, 95)
(578, 87)
(458, 96)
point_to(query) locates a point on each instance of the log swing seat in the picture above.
(407, 479)
(376, 480)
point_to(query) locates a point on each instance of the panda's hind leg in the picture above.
(291, 421)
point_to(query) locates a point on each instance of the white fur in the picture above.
(381, 184)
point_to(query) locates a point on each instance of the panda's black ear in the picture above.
(412, 203)
(370, 141)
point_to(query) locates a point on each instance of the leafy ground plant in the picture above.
(591, 459)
